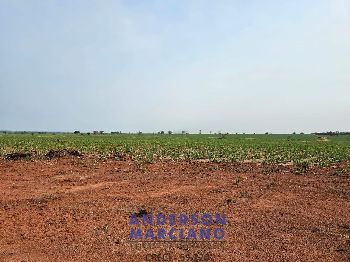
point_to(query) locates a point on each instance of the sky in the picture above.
(230, 66)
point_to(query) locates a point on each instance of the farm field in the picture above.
(69, 197)
(300, 150)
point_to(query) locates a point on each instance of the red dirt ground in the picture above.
(77, 209)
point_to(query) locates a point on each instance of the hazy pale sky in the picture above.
(234, 66)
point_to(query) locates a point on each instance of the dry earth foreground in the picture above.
(75, 208)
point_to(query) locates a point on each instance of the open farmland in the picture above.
(69, 197)
(302, 150)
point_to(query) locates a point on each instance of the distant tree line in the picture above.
(331, 133)
(101, 132)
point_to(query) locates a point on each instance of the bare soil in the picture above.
(75, 208)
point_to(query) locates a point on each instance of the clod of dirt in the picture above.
(74, 153)
(54, 153)
(18, 155)
(120, 157)
(229, 201)
(141, 212)
(60, 153)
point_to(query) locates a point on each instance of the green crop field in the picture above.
(280, 149)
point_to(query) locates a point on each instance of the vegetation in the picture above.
(301, 150)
